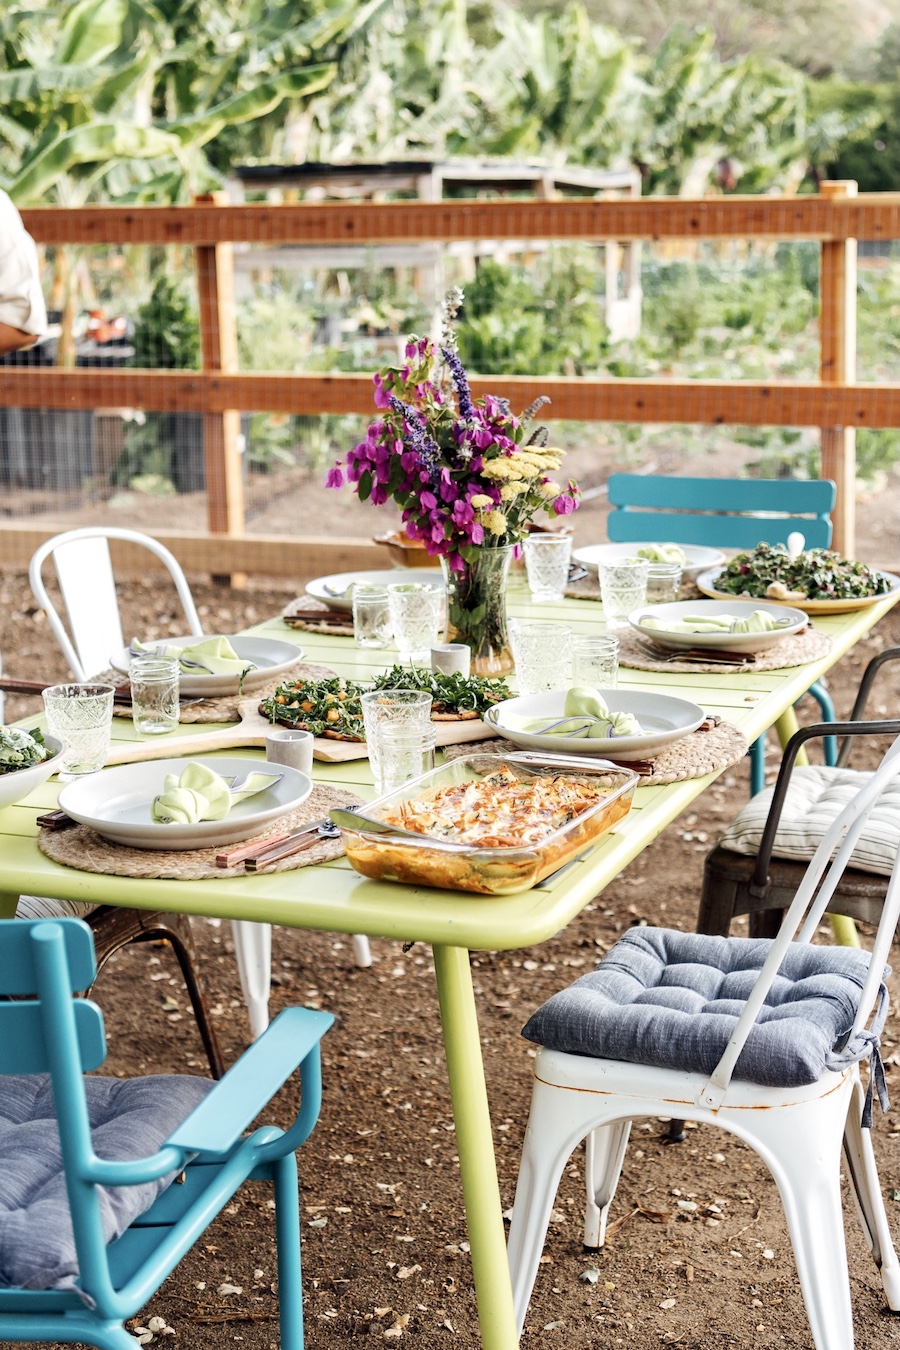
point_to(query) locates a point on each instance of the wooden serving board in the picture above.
(251, 731)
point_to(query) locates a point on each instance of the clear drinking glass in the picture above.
(80, 715)
(547, 558)
(405, 711)
(623, 588)
(542, 653)
(663, 583)
(595, 662)
(417, 618)
(371, 616)
(404, 754)
(154, 694)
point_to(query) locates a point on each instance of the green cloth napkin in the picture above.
(586, 717)
(199, 793)
(215, 655)
(760, 621)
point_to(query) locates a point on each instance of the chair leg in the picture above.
(114, 928)
(551, 1135)
(287, 1228)
(801, 1146)
(362, 952)
(757, 753)
(253, 950)
(829, 743)
(604, 1152)
(859, 1157)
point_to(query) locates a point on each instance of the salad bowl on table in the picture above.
(818, 580)
(16, 784)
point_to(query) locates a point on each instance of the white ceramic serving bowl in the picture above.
(336, 591)
(271, 657)
(116, 803)
(663, 720)
(698, 558)
(18, 784)
(796, 620)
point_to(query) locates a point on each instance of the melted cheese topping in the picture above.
(497, 812)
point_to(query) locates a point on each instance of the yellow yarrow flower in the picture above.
(480, 501)
(509, 491)
(495, 522)
(550, 489)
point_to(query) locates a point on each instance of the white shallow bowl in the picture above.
(736, 642)
(336, 591)
(18, 784)
(116, 803)
(698, 558)
(271, 656)
(663, 720)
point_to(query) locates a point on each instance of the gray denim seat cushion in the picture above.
(130, 1118)
(671, 999)
(43, 907)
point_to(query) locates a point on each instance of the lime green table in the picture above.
(334, 898)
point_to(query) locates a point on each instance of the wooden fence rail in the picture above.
(836, 402)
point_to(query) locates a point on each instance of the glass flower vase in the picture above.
(476, 601)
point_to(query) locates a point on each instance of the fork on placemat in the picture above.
(709, 656)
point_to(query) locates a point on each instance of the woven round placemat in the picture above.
(795, 650)
(589, 589)
(693, 756)
(225, 709)
(305, 605)
(84, 849)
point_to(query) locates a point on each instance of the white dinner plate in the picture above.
(270, 656)
(706, 582)
(698, 558)
(337, 591)
(794, 622)
(116, 803)
(663, 720)
(20, 782)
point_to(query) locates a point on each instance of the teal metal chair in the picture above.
(117, 1255)
(736, 513)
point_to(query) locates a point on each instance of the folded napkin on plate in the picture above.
(199, 793)
(760, 621)
(586, 717)
(214, 655)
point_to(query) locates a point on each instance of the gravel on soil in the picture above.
(698, 1255)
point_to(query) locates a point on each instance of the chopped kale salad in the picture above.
(769, 572)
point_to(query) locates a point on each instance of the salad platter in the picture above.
(27, 759)
(720, 625)
(817, 581)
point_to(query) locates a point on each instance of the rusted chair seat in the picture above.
(757, 868)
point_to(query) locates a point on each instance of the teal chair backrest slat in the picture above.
(719, 512)
(18, 974)
(23, 1047)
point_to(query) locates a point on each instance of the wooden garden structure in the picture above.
(836, 402)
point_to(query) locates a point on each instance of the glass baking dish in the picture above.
(424, 860)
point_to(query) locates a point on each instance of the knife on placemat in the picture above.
(122, 693)
(277, 846)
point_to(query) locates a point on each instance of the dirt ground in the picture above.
(384, 1236)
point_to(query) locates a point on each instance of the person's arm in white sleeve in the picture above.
(23, 317)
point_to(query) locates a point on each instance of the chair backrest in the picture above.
(806, 911)
(84, 569)
(734, 513)
(42, 961)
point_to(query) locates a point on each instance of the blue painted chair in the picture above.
(736, 513)
(119, 1228)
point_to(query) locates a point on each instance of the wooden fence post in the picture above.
(837, 365)
(219, 352)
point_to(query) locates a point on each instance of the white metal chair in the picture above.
(798, 1131)
(85, 573)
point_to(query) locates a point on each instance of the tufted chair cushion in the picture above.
(672, 1000)
(815, 797)
(129, 1118)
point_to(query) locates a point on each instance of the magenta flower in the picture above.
(335, 476)
(564, 505)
